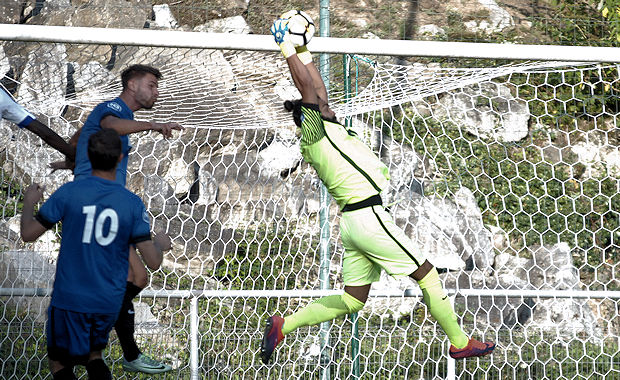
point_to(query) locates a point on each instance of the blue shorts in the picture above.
(72, 336)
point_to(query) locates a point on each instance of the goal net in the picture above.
(505, 175)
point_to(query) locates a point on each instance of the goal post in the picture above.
(505, 175)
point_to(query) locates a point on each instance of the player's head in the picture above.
(141, 81)
(295, 107)
(104, 149)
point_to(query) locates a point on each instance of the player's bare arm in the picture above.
(319, 87)
(302, 79)
(126, 127)
(30, 228)
(51, 138)
(69, 162)
(299, 71)
(152, 251)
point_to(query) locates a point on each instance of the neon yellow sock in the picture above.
(321, 310)
(440, 308)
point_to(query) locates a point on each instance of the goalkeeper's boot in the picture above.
(12, 111)
(473, 348)
(271, 337)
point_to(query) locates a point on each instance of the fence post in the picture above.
(193, 339)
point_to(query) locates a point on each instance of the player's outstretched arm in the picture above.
(51, 138)
(68, 163)
(299, 71)
(317, 81)
(126, 127)
(305, 57)
(30, 228)
(12, 111)
(152, 251)
(302, 79)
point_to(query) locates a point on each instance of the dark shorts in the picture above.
(72, 336)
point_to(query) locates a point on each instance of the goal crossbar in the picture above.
(256, 42)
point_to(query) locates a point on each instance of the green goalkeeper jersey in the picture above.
(350, 171)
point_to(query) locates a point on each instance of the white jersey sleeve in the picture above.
(13, 112)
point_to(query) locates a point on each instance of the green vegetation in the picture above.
(610, 10)
(10, 196)
(22, 343)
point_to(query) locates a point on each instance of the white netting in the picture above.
(505, 176)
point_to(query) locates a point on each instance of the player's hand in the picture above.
(279, 29)
(33, 194)
(67, 164)
(166, 128)
(162, 242)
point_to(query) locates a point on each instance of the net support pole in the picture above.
(324, 208)
(355, 343)
(193, 355)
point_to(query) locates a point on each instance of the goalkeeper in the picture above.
(354, 176)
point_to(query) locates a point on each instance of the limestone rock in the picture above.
(488, 110)
(448, 233)
(11, 11)
(499, 19)
(234, 24)
(431, 30)
(550, 268)
(164, 18)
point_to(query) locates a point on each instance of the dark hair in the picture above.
(104, 149)
(295, 106)
(137, 71)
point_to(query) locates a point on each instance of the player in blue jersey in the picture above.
(354, 176)
(13, 112)
(100, 219)
(140, 91)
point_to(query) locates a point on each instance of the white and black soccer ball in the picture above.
(300, 27)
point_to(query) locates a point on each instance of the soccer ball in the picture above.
(298, 26)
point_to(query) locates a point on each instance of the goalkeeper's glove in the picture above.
(279, 31)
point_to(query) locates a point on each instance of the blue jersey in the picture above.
(117, 108)
(100, 218)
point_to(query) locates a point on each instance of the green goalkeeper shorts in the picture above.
(373, 241)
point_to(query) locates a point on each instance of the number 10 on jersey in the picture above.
(97, 224)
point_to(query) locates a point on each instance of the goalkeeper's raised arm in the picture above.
(305, 75)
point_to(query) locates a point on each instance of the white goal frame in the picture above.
(256, 42)
(253, 42)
